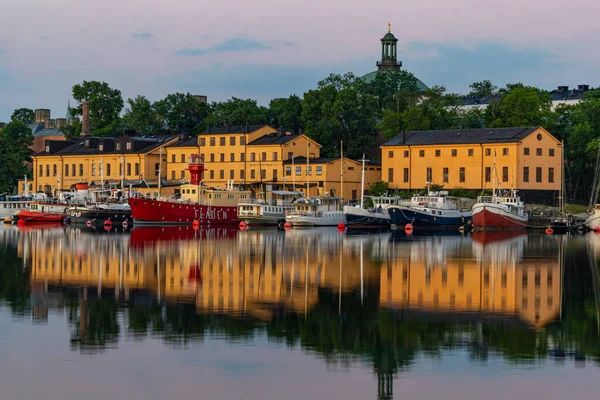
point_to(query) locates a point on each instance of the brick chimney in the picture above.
(85, 123)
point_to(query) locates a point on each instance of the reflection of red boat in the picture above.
(194, 274)
(43, 212)
(487, 237)
(42, 225)
(141, 237)
(197, 204)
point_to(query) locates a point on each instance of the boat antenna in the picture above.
(362, 182)
(595, 188)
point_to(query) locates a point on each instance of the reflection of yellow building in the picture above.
(497, 281)
(251, 273)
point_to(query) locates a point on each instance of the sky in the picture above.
(263, 49)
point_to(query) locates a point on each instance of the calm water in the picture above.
(303, 314)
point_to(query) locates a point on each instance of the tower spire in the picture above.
(389, 27)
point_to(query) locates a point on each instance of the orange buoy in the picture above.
(243, 225)
(549, 231)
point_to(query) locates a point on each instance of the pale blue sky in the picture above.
(272, 48)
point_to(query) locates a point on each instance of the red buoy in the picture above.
(243, 225)
(287, 225)
(341, 225)
(21, 222)
(549, 231)
(596, 229)
(88, 224)
(408, 227)
(108, 222)
(125, 224)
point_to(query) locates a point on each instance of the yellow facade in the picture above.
(268, 163)
(324, 177)
(54, 173)
(533, 163)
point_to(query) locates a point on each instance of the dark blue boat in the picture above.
(376, 218)
(433, 211)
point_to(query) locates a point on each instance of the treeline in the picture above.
(359, 113)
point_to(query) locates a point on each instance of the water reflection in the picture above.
(384, 299)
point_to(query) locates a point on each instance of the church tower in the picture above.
(389, 52)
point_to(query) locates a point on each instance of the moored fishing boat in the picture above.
(316, 211)
(269, 211)
(502, 210)
(436, 210)
(43, 212)
(196, 204)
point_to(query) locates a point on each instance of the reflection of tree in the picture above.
(97, 325)
(388, 340)
(14, 283)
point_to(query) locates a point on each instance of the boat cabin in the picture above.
(200, 194)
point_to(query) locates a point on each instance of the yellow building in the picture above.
(252, 155)
(134, 161)
(256, 155)
(526, 158)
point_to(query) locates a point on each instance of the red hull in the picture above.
(36, 216)
(486, 219)
(154, 212)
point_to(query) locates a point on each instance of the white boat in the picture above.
(316, 211)
(11, 205)
(271, 211)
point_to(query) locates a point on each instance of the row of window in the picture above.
(471, 152)
(222, 141)
(488, 174)
(78, 170)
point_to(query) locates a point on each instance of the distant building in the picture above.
(525, 158)
(561, 95)
(389, 59)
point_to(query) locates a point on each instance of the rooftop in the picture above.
(278, 137)
(323, 160)
(91, 145)
(232, 129)
(39, 129)
(461, 136)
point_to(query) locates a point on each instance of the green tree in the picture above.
(15, 142)
(140, 116)
(286, 113)
(437, 110)
(394, 90)
(339, 111)
(105, 103)
(25, 115)
(181, 113)
(520, 106)
(236, 111)
(378, 188)
(484, 88)
(390, 124)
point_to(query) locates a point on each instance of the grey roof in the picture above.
(389, 36)
(77, 146)
(301, 160)
(461, 136)
(190, 142)
(39, 129)
(273, 138)
(231, 129)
